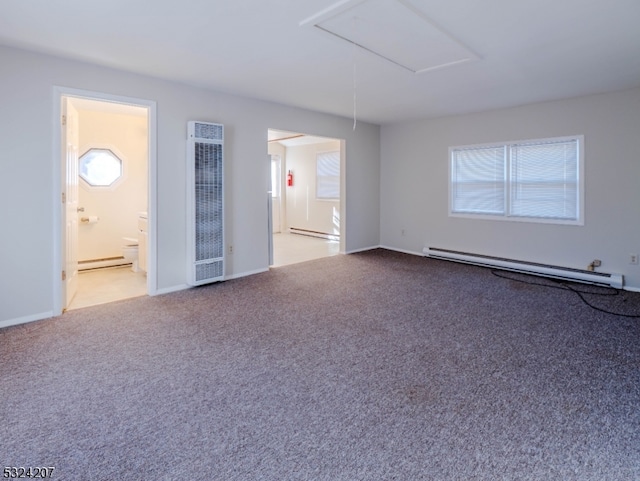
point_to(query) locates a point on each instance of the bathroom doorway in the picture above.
(105, 171)
(305, 197)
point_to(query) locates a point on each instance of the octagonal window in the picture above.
(100, 167)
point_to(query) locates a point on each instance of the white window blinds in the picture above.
(544, 180)
(533, 180)
(478, 180)
(328, 175)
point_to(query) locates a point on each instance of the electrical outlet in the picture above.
(633, 259)
(230, 249)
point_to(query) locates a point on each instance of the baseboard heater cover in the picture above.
(314, 233)
(545, 270)
(90, 264)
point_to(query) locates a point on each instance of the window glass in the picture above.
(477, 180)
(100, 167)
(544, 180)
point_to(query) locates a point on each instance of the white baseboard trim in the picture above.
(364, 249)
(169, 290)
(631, 289)
(403, 251)
(182, 287)
(245, 274)
(25, 319)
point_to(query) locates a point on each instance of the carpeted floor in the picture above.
(371, 366)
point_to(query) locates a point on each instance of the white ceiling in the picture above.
(526, 50)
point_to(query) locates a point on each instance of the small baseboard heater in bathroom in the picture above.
(545, 270)
(91, 264)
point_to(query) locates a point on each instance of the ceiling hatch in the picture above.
(393, 30)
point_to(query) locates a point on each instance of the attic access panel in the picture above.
(393, 30)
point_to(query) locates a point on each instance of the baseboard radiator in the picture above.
(90, 264)
(555, 272)
(314, 233)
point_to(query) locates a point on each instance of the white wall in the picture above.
(29, 173)
(304, 210)
(116, 206)
(414, 184)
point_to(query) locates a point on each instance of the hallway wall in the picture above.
(304, 209)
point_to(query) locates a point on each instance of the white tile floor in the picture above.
(295, 248)
(100, 286)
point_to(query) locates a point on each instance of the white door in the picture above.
(70, 141)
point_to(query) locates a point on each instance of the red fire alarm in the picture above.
(289, 179)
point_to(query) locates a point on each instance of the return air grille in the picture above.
(207, 271)
(208, 191)
(202, 130)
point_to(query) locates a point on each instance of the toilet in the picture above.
(130, 252)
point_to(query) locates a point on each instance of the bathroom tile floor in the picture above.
(100, 286)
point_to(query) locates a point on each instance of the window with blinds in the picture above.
(328, 175)
(536, 180)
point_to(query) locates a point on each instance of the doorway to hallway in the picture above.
(305, 203)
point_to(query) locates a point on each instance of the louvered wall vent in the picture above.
(205, 232)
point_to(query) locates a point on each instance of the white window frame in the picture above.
(507, 190)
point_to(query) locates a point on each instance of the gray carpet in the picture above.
(372, 366)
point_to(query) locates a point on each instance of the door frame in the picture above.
(277, 206)
(270, 211)
(70, 138)
(271, 204)
(58, 237)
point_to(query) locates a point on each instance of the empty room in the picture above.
(476, 171)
